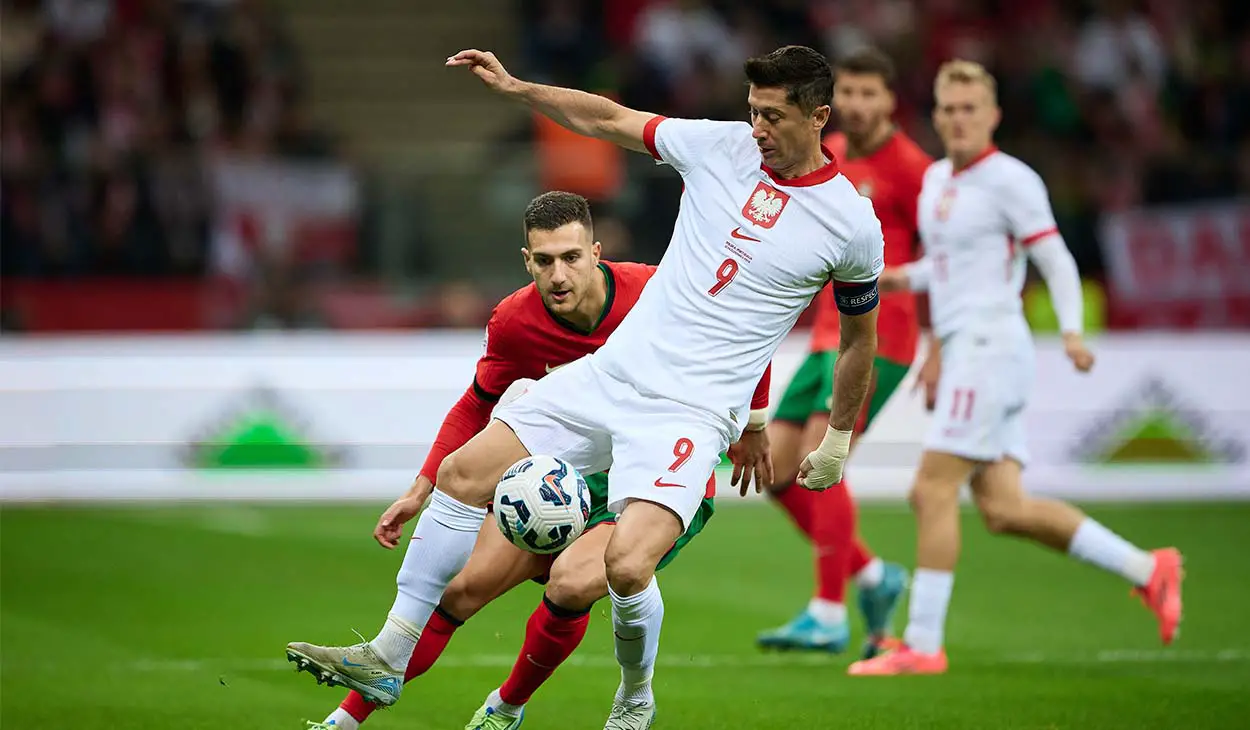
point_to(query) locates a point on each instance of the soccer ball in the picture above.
(542, 504)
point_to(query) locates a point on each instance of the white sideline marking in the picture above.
(724, 661)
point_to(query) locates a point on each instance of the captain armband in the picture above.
(858, 298)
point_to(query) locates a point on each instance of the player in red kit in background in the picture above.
(887, 167)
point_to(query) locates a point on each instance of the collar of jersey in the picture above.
(815, 177)
(610, 280)
(973, 162)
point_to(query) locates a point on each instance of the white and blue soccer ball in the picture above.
(542, 504)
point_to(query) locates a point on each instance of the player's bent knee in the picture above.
(456, 479)
(576, 590)
(929, 495)
(462, 599)
(1001, 516)
(628, 570)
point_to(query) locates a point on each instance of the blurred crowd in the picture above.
(110, 109)
(113, 110)
(1115, 102)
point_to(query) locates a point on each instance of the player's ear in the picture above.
(596, 250)
(529, 260)
(820, 116)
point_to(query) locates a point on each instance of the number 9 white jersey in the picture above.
(749, 251)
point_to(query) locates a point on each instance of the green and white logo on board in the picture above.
(1154, 427)
(259, 431)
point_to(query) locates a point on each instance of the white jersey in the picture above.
(748, 253)
(975, 224)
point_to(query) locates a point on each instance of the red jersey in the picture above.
(891, 177)
(524, 339)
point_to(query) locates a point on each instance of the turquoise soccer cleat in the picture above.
(878, 605)
(488, 718)
(806, 633)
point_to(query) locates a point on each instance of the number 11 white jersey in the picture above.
(749, 251)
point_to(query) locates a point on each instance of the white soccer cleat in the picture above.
(356, 667)
(630, 716)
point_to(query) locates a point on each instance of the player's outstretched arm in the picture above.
(587, 114)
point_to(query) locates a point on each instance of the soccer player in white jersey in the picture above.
(765, 222)
(982, 212)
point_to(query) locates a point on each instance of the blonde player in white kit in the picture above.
(765, 222)
(981, 213)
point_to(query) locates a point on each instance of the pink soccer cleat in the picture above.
(1162, 595)
(900, 659)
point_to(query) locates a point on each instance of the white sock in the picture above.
(827, 612)
(926, 620)
(340, 719)
(1099, 546)
(636, 621)
(503, 708)
(439, 548)
(871, 575)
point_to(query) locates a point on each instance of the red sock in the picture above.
(800, 504)
(833, 533)
(430, 646)
(860, 556)
(551, 635)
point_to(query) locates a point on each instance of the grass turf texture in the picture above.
(176, 618)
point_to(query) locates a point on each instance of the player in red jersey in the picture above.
(574, 304)
(888, 167)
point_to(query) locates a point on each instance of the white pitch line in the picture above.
(724, 661)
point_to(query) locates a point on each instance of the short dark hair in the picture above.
(867, 61)
(557, 208)
(803, 72)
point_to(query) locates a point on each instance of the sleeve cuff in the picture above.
(648, 136)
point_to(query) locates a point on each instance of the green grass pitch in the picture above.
(175, 618)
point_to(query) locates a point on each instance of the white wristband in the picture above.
(827, 461)
(758, 420)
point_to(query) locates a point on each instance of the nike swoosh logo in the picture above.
(550, 369)
(530, 659)
(347, 663)
(736, 233)
(659, 483)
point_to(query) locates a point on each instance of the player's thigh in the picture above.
(578, 577)
(785, 440)
(495, 567)
(645, 532)
(470, 473)
(939, 478)
(562, 415)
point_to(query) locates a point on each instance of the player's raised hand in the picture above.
(486, 67)
(1074, 347)
(390, 527)
(752, 457)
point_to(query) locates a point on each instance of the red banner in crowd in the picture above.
(1179, 267)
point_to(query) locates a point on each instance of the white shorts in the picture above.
(982, 393)
(658, 450)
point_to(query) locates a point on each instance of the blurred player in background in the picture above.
(887, 167)
(981, 213)
(765, 222)
(574, 304)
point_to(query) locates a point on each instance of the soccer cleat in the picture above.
(488, 718)
(900, 660)
(878, 604)
(355, 667)
(806, 633)
(1162, 595)
(626, 716)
